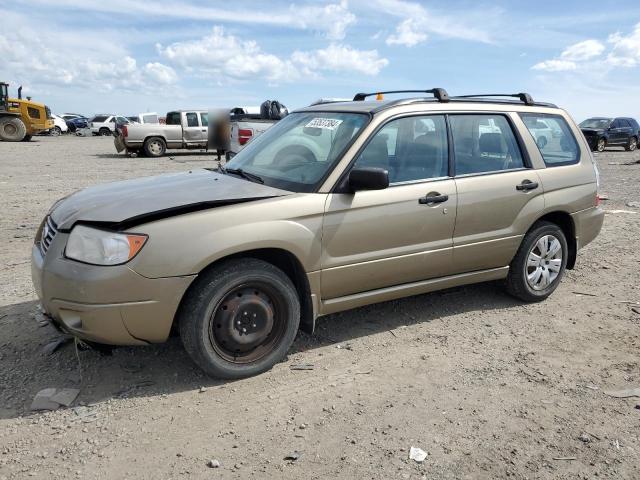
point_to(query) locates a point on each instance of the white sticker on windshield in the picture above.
(326, 123)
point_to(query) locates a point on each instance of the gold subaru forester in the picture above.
(336, 206)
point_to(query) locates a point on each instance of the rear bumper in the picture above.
(112, 305)
(588, 224)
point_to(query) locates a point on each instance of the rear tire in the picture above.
(154, 147)
(632, 145)
(12, 129)
(239, 318)
(541, 142)
(27, 138)
(539, 265)
(104, 131)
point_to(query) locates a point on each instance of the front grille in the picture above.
(49, 231)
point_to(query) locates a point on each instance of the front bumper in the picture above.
(112, 305)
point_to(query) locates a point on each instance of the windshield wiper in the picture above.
(249, 176)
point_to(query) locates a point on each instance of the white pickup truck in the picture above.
(183, 129)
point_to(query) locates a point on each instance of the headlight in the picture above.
(101, 247)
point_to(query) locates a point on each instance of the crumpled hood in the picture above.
(145, 199)
(592, 131)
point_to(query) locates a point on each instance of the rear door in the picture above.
(617, 134)
(375, 239)
(192, 129)
(498, 193)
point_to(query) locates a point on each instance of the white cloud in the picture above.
(333, 19)
(418, 23)
(583, 51)
(407, 33)
(160, 73)
(225, 55)
(625, 50)
(340, 58)
(555, 65)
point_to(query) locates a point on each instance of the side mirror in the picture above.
(368, 178)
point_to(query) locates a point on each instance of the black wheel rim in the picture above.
(248, 323)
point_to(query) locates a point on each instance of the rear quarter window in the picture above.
(99, 119)
(553, 137)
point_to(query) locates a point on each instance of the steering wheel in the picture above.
(294, 156)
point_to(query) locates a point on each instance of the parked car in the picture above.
(183, 129)
(247, 123)
(237, 259)
(541, 131)
(142, 118)
(602, 132)
(106, 124)
(59, 125)
(76, 122)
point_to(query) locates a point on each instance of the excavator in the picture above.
(21, 119)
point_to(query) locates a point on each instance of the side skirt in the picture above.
(408, 289)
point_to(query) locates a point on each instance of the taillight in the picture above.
(124, 130)
(244, 135)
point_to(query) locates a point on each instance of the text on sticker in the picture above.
(326, 123)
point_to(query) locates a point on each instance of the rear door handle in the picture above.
(527, 185)
(433, 198)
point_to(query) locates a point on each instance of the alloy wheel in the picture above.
(544, 262)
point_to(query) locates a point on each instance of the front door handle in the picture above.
(527, 185)
(433, 198)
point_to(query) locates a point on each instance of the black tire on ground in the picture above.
(632, 145)
(12, 129)
(154, 147)
(518, 284)
(239, 318)
(57, 130)
(27, 138)
(601, 145)
(104, 131)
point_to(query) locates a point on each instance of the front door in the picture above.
(498, 195)
(402, 234)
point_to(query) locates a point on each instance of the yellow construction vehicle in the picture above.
(21, 119)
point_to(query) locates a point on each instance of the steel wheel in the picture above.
(247, 323)
(9, 129)
(156, 147)
(601, 145)
(544, 262)
(633, 144)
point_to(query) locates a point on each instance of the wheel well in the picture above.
(291, 266)
(565, 222)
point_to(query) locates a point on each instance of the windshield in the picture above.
(299, 151)
(596, 123)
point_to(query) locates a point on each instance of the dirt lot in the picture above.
(487, 386)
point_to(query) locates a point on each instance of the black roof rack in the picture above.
(439, 93)
(524, 97)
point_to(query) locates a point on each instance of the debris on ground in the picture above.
(294, 456)
(417, 454)
(302, 366)
(633, 204)
(585, 438)
(54, 345)
(629, 392)
(54, 398)
(565, 458)
(213, 463)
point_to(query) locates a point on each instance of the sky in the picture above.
(132, 56)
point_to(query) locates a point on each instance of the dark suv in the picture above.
(602, 132)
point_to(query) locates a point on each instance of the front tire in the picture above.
(239, 318)
(601, 145)
(154, 147)
(12, 129)
(539, 265)
(632, 145)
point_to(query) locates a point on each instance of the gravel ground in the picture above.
(487, 386)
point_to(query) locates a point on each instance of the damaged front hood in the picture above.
(133, 202)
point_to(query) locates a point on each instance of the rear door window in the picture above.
(484, 143)
(173, 118)
(192, 119)
(559, 146)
